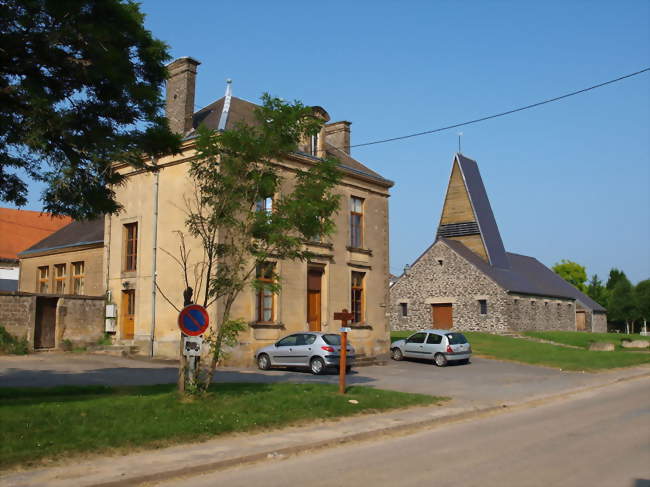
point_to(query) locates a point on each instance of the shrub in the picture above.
(11, 344)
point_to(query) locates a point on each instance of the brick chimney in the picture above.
(180, 94)
(338, 134)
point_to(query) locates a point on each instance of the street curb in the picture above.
(401, 429)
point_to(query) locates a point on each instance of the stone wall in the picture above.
(80, 320)
(442, 276)
(529, 313)
(599, 322)
(17, 314)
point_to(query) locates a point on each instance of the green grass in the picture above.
(528, 352)
(583, 339)
(51, 423)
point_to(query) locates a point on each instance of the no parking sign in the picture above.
(193, 320)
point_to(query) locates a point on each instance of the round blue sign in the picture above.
(193, 320)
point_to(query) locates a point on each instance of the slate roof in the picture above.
(242, 111)
(21, 228)
(75, 234)
(483, 210)
(525, 275)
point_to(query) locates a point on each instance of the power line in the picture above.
(482, 119)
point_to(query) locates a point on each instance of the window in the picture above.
(357, 296)
(289, 341)
(404, 308)
(265, 204)
(482, 303)
(434, 339)
(264, 302)
(332, 339)
(59, 278)
(356, 222)
(78, 278)
(417, 338)
(456, 338)
(43, 279)
(131, 246)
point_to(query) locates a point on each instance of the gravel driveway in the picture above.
(483, 382)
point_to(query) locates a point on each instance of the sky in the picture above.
(568, 180)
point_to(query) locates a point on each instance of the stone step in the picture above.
(117, 350)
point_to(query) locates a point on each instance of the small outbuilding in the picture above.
(467, 281)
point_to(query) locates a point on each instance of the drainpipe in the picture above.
(154, 251)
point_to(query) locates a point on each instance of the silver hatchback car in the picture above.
(314, 350)
(441, 346)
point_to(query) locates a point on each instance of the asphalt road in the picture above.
(483, 382)
(600, 439)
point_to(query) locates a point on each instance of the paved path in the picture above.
(482, 383)
(600, 439)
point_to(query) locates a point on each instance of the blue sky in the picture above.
(568, 180)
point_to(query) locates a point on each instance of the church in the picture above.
(467, 281)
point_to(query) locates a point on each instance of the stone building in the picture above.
(18, 230)
(467, 281)
(349, 270)
(68, 262)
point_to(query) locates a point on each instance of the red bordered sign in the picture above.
(193, 320)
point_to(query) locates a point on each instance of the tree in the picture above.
(642, 297)
(622, 303)
(249, 213)
(614, 276)
(80, 88)
(596, 291)
(571, 272)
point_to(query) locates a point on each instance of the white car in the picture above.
(441, 346)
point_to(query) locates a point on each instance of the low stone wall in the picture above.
(17, 314)
(539, 313)
(80, 320)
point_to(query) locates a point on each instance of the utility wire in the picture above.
(482, 119)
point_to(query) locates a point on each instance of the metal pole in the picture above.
(343, 359)
(154, 252)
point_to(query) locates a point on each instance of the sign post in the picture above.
(343, 316)
(193, 320)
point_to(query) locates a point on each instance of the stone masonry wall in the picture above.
(80, 320)
(17, 314)
(599, 322)
(530, 313)
(454, 281)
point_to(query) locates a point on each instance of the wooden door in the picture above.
(128, 314)
(581, 321)
(314, 281)
(45, 326)
(442, 316)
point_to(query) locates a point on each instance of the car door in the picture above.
(282, 354)
(301, 352)
(432, 345)
(414, 346)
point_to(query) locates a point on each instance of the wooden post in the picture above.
(344, 316)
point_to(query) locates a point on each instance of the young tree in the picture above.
(622, 304)
(571, 272)
(251, 212)
(642, 297)
(80, 88)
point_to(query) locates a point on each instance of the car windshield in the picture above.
(332, 339)
(456, 338)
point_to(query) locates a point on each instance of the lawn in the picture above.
(51, 423)
(519, 350)
(583, 339)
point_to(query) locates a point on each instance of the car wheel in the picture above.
(396, 354)
(263, 362)
(440, 360)
(317, 366)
